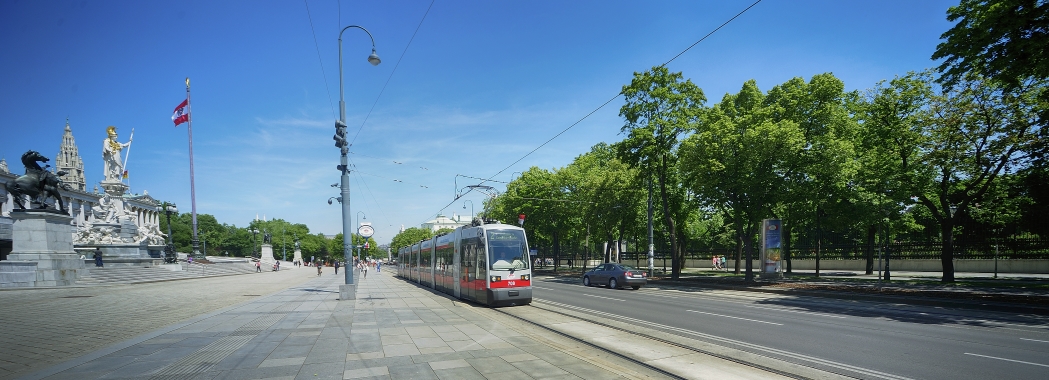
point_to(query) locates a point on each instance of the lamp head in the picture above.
(329, 200)
(374, 58)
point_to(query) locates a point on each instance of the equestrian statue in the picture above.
(38, 183)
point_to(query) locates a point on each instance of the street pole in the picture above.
(651, 244)
(347, 239)
(283, 244)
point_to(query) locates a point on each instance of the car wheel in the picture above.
(612, 284)
(586, 281)
(635, 287)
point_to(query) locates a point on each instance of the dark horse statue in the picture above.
(38, 183)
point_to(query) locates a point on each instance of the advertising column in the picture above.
(771, 249)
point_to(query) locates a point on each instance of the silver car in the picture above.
(615, 276)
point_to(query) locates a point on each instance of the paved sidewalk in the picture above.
(392, 330)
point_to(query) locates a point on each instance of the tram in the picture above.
(487, 263)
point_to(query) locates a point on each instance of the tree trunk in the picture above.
(671, 228)
(786, 244)
(869, 249)
(947, 252)
(557, 250)
(739, 245)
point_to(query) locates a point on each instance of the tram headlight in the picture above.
(496, 278)
(525, 277)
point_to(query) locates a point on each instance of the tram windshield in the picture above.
(508, 249)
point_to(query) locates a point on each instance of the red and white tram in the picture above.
(485, 263)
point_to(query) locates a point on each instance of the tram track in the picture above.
(819, 373)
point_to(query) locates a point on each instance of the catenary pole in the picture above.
(344, 182)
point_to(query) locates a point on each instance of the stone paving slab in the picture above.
(297, 329)
(291, 325)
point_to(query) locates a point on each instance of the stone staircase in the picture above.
(132, 275)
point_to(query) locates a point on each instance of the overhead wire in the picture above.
(383, 90)
(395, 66)
(319, 60)
(602, 105)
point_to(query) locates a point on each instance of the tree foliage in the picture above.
(1003, 40)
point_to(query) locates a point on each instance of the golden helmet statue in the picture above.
(112, 131)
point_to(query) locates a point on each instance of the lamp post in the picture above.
(254, 241)
(471, 208)
(340, 141)
(169, 251)
(283, 245)
(359, 213)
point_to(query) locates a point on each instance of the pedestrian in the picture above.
(378, 267)
(98, 257)
(278, 265)
(336, 267)
(365, 271)
(258, 266)
(722, 262)
(715, 262)
(319, 266)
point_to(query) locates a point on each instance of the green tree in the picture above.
(406, 238)
(1004, 40)
(818, 175)
(660, 107)
(736, 160)
(958, 144)
(609, 196)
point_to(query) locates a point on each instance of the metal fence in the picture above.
(1012, 248)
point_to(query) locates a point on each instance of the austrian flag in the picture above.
(180, 116)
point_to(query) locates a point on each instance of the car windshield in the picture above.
(627, 268)
(508, 249)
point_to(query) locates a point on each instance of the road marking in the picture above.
(789, 354)
(1010, 324)
(1008, 360)
(1035, 340)
(729, 316)
(607, 298)
(794, 311)
(539, 287)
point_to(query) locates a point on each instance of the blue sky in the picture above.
(482, 84)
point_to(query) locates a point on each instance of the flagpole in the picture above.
(192, 184)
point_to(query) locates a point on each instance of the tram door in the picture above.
(456, 287)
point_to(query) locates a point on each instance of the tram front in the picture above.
(510, 273)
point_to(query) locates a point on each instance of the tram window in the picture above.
(508, 249)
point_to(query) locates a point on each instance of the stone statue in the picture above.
(296, 243)
(267, 238)
(150, 233)
(111, 148)
(37, 183)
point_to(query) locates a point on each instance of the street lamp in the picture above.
(254, 241)
(283, 245)
(169, 251)
(471, 207)
(340, 141)
(359, 213)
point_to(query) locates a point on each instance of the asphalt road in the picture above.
(862, 339)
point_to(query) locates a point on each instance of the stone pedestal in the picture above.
(298, 256)
(347, 292)
(267, 254)
(42, 245)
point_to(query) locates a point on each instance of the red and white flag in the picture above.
(180, 116)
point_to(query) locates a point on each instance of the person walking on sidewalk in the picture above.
(378, 266)
(258, 266)
(336, 267)
(98, 257)
(319, 266)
